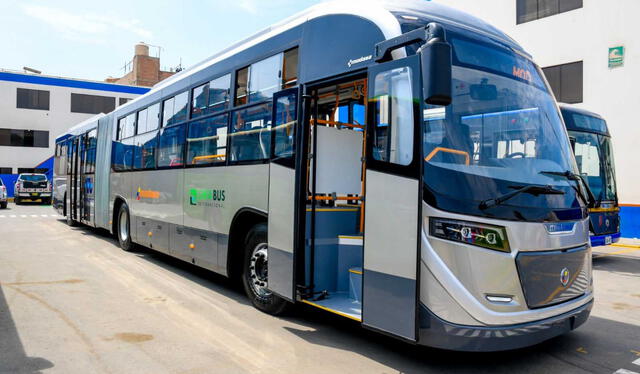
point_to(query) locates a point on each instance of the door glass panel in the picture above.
(285, 126)
(394, 123)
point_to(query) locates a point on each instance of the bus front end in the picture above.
(593, 150)
(505, 254)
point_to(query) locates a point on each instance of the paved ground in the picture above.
(72, 302)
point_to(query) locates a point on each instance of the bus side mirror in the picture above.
(435, 58)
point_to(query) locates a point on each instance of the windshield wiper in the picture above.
(590, 200)
(533, 189)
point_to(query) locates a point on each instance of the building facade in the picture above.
(35, 109)
(590, 53)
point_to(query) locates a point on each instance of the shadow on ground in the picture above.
(599, 346)
(13, 358)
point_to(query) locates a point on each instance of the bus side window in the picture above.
(207, 141)
(251, 133)
(285, 126)
(171, 146)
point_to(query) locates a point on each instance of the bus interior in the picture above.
(335, 198)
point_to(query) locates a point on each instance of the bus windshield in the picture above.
(501, 133)
(594, 155)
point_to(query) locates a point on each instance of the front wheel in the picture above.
(124, 228)
(255, 276)
(3, 205)
(17, 201)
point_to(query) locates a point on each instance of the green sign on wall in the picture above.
(616, 56)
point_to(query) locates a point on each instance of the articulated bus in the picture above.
(591, 142)
(400, 164)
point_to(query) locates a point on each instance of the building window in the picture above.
(6, 170)
(123, 100)
(566, 81)
(531, 10)
(92, 104)
(33, 170)
(24, 138)
(32, 99)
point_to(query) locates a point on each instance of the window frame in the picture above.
(522, 19)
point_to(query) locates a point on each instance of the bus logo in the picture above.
(146, 194)
(359, 60)
(522, 74)
(564, 276)
(206, 197)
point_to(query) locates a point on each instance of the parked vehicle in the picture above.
(414, 176)
(3, 195)
(32, 187)
(591, 142)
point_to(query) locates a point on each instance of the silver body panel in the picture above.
(458, 277)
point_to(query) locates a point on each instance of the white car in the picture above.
(3, 195)
(32, 187)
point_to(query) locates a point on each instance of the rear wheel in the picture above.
(17, 201)
(255, 276)
(3, 205)
(124, 228)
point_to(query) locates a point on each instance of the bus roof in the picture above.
(387, 15)
(81, 128)
(593, 123)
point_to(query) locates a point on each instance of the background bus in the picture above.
(591, 142)
(414, 177)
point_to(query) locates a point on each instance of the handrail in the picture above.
(336, 123)
(207, 157)
(448, 150)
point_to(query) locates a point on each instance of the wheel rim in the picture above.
(258, 271)
(124, 226)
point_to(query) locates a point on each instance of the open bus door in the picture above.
(393, 199)
(283, 183)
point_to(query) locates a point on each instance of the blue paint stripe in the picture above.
(61, 82)
(630, 221)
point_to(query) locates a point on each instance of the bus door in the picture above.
(73, 179)
(393, 199)
(283, 207)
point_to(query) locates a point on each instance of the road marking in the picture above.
(635, 352)
(581, 350)
(44, 215)
(625, 245)
(23, 216)
(636, 362)
(624, 371)
(12, 216)
(1, 216)
(629, 250)
(34, 215)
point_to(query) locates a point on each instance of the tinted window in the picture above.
(175, 109)
(123, 100)
(5, 171)
(122, 154)
(290, 68)
(144, 156)
(127, 126)
(33, 178)
(251, 133)
(171, 146)
(207, 141)
(32, 99)
(91, 146)
(242, 82)
(92, 104)
(566, 81)
(285, 126)
(265, 78)
(211, 97)
(530, 10)
(24, 138)
(153, 117)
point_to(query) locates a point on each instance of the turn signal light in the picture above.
(480, 235)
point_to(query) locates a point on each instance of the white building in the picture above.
(35, 109)
(574, 38)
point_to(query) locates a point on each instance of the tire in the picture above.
(123, 229)
(254, 273)
(3, 205)
(16, 201)
(46, 201)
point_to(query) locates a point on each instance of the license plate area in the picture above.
(553, 277)
(607, 240)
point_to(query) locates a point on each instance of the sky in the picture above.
(95, 39)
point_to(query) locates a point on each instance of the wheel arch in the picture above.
(117, 203)
(243, 221)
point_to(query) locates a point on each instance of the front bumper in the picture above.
(600, 240)
(33, 195)
(437, 333)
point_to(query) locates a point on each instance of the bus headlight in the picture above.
(481, 235)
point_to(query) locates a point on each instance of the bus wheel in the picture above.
(124, 228)
(254, 275)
